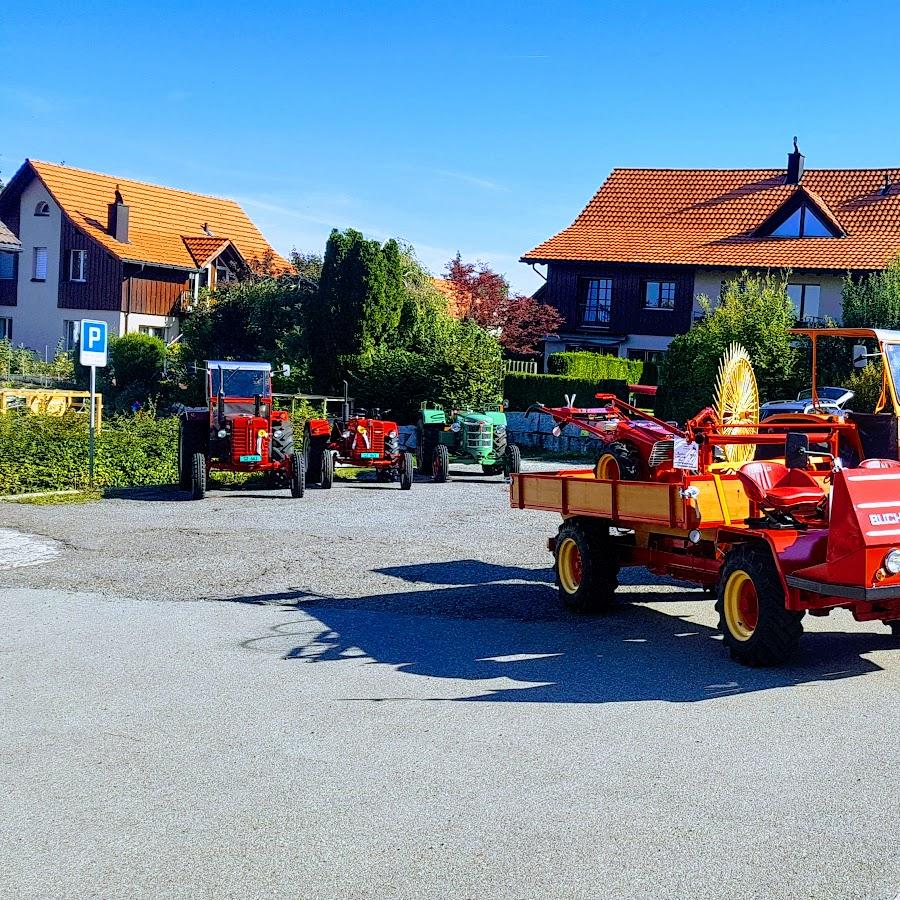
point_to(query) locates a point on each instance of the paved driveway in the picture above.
(369, 693)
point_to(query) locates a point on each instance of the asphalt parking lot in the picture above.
(373, 693)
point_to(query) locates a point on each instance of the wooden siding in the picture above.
(8, 287)
(627, 312)
(153, 291)
(103, 272)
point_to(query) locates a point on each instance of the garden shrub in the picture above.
(600, 366)
(522, 389)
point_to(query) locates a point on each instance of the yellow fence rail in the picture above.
(50, 402)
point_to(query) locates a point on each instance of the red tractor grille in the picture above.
(241, 440)
(376, 436)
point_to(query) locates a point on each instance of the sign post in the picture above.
(93, 342)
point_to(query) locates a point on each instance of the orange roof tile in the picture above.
(455, 305)
(158, 217)
(707, 217)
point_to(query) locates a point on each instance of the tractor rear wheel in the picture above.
(198, 476)
(513, 461)
(756, 627)
(327, 465)
(426, 440)
(298, 475)
(440, 463)
(587, 572)
(282, 441)
(618, 460)
(407, 466)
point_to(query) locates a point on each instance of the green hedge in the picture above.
(522, 390)
(599, 366)
(39, 453)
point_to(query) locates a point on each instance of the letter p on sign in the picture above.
(94, 342)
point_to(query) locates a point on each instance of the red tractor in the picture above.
(356, 439)
(238, 431)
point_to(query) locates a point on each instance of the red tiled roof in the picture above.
(707, 217)
(158, 217)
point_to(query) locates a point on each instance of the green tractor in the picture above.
(475, 436)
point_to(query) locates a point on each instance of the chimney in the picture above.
(795, 165)
(118, 219)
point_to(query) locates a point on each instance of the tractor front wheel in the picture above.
(327, 468)
(440, 463)
(198, 476)
(407, 465)
(756, 627)
(314, 451)
(587, 572)
(298, 475)
(513, 460)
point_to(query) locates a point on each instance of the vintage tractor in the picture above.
(477, 436)
(238, 431)
(772, 538)
(356, 438)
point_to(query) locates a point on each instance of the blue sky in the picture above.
(478, 127)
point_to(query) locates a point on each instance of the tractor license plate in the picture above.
(369, 455)
(252, 457)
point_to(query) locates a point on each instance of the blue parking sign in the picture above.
(94, 338)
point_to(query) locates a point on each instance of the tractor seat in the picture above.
(879, 464)
(772, 485)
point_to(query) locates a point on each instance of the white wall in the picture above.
(709, 282)
(135, 320)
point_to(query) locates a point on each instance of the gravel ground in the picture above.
(372, 693)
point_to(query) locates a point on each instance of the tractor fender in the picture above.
(319, 427)
(281, 415)
(790, 549)
(434, 417)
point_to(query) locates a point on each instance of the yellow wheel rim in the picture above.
(607, 467)
(568, 561)
(741, 605)
(737, 402)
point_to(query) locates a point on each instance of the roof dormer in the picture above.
(802, 215)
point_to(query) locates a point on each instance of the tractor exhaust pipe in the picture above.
(220, 399)
(346, 406)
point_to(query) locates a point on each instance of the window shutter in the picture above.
(40, 263)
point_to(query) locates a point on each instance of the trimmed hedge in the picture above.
(44, 453)
(599, 366)
(522, 389)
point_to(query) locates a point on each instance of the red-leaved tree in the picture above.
(480, 294)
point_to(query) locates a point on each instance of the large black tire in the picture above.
(198, 476)
(586, 569)
(440, 463)
(327, 464)
(756, 628)
(184, 457)
(619, 459)
(895, 627)
(298, 475)
(314, 450)
(426, 441)
(282, 441)
(406, 468)
(499, 441)
(512, 463)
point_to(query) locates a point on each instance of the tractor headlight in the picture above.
(278, 433)
(455, 426)
(223, 433)
(392, 433)
(346, 434)
(892, 562)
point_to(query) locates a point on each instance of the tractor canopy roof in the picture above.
(230, 364)
(884, 335)
(239, 379)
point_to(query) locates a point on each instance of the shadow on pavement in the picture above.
(517, 635)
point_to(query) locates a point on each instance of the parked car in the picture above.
(832, 401)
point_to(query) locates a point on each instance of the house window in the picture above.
(659, 295)
(157, 331)
(42, 209)
(802, 222)
(7, 266)
(805, 298)
(70, 333)
(39, 267)
(78, 265)
(650, 356)
(5, 329)
(596, 301)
